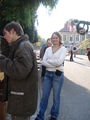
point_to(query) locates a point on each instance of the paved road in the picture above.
(75, 95)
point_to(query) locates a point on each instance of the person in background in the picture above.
(44, 47)
(4, 49)
(74, 51)
(71, 52)
(54, 76)
(20, 67)
(42, 51)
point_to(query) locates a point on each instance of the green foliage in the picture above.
(85, 44)
(23, 11)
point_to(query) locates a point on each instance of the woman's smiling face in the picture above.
(55, 40)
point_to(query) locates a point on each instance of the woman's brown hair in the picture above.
(57, 34)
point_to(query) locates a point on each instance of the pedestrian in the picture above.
(54, 76)
(44, 47)
(71, 52)
(42, 51)
(20, 67)
(74, 51)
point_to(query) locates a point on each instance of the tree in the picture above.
(23, 11)
(85, 44)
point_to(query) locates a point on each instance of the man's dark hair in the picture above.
(48, 39)
(16, 26)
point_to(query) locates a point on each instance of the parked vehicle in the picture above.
(88, 53)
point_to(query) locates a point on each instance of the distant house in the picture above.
(70, 35)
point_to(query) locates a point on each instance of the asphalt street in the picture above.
(75, 95)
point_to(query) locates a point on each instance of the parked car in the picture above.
(88, 53)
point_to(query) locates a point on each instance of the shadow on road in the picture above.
(80, 62)
(75, 102)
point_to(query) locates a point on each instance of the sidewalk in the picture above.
(78, 59)
(65, 113)
(81, 59)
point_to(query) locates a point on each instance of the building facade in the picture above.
(70, 35)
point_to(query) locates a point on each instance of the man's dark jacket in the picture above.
(21, 69)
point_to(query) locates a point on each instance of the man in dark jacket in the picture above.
(44, 47)
(20, 67)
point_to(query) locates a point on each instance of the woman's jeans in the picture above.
(51, 80)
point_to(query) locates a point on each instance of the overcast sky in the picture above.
(65, 10)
